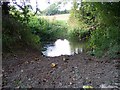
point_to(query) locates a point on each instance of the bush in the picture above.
(79, 34)
(46, 30)
(16, 35)
(10, 32)
(105, 41)
(30, 39)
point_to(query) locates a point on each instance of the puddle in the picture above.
(63, 47)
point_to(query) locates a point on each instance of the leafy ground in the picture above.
(29, 69)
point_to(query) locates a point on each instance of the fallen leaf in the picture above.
(53, 65)
(36, 58)
(87, 86)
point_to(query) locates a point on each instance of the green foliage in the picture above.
(106, 41)
(16, 35)
(30, 39)
(83, 15)
(53, 9)
(10, 32)
(22, 28)
(79, 34)
(86, 15)
(102, 20)
(108, 12)
(23, 15)
(114, 51)
(47, 30)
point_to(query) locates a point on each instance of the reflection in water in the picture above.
(62, 47)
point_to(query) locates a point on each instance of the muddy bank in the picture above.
(29, 69)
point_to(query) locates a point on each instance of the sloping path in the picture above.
(30, 69)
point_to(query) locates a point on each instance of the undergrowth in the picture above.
(105, 42)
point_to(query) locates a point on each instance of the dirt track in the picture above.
(30, 69)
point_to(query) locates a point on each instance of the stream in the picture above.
(63, 47)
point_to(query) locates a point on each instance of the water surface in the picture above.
(63, 47)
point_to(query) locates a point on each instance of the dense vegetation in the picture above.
(102, 20)
(22, 29)
(99, 23)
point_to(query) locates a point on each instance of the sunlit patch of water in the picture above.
(62, 47)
